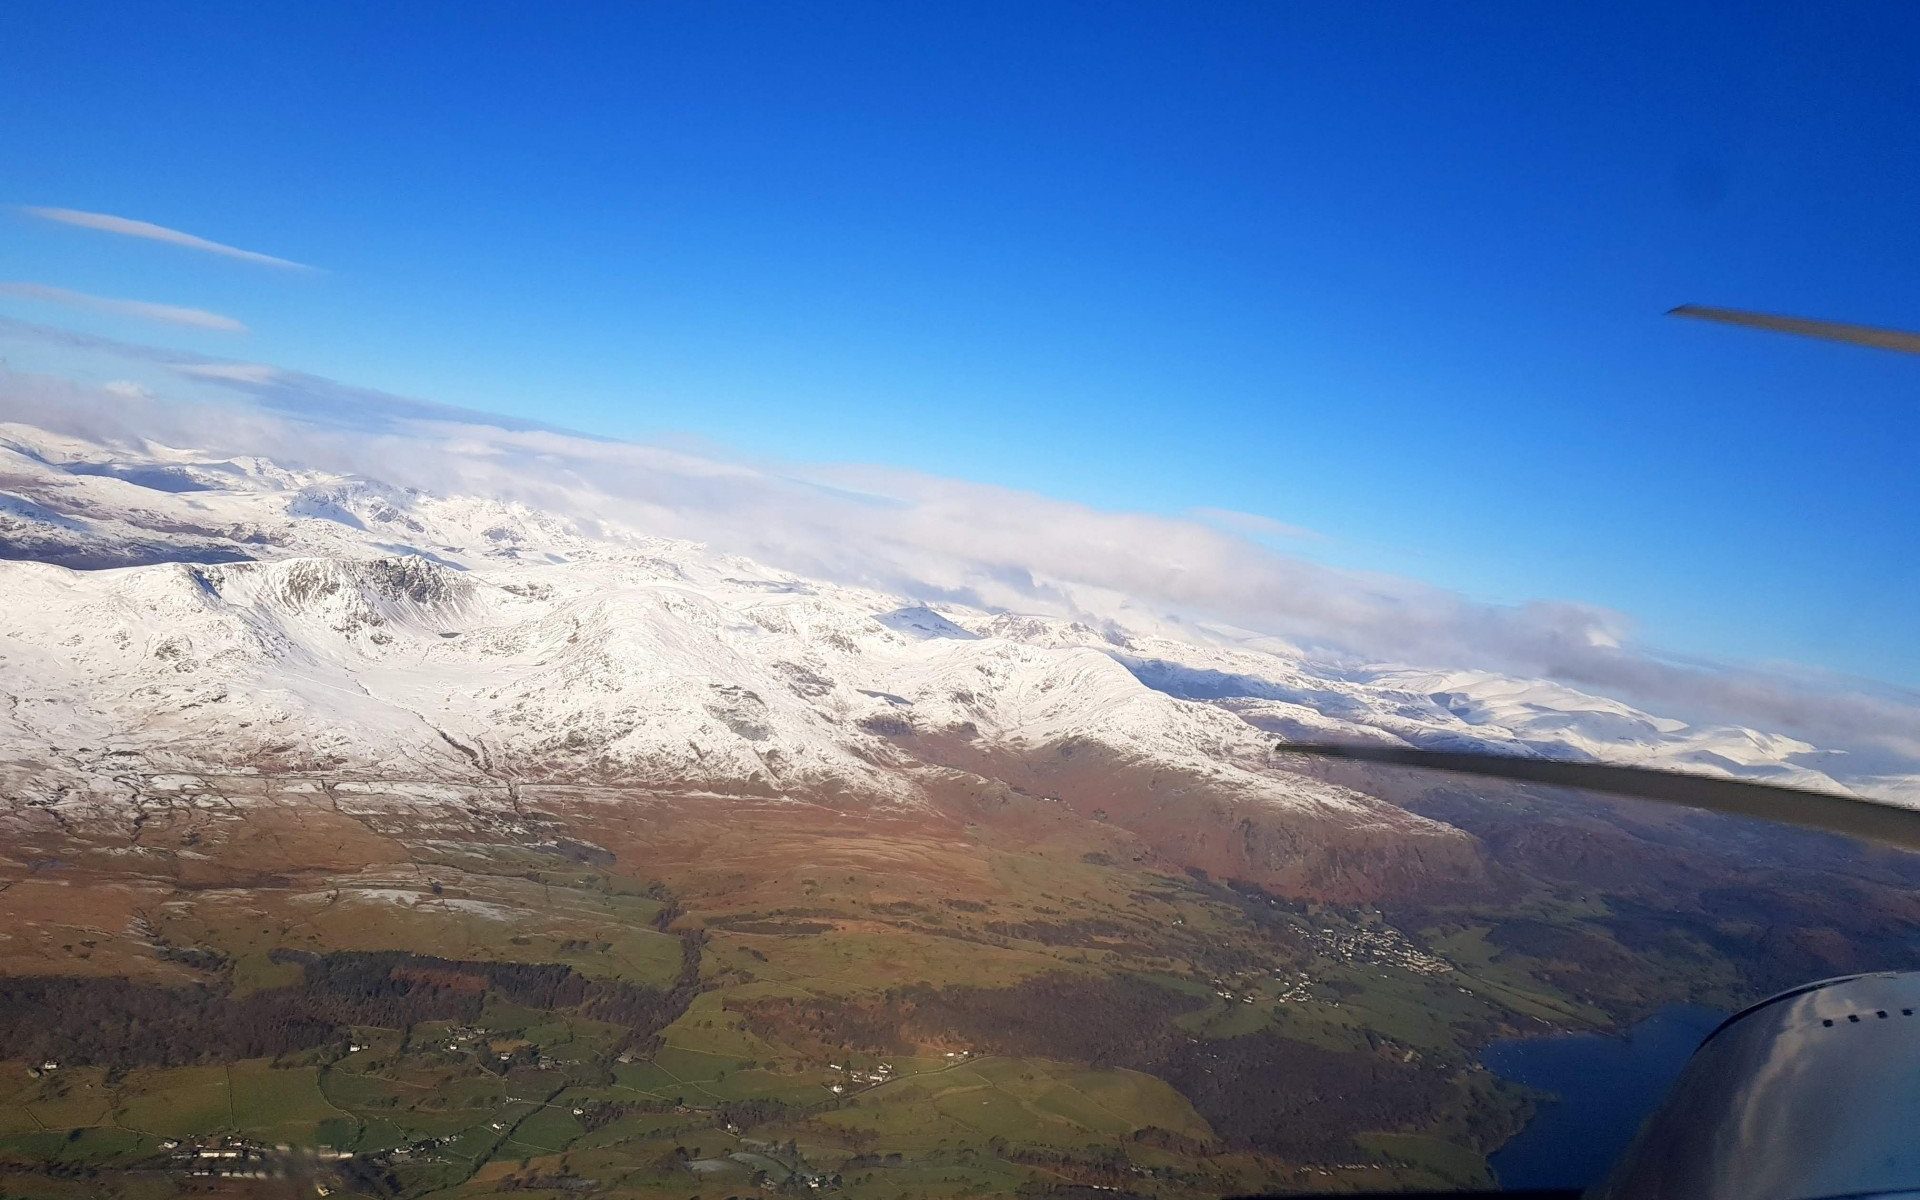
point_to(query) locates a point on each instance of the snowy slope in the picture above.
(173, 610)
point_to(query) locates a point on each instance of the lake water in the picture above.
(1606, 1087)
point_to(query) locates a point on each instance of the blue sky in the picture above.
(1393, 273)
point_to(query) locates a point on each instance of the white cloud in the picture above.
(231, 372)
(169, 314)
(1255, 525)
(939, 538)
(128, 227)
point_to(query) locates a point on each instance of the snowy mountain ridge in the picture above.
(177, 611)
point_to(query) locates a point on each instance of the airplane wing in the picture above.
(1851, 816)
(1833, 331)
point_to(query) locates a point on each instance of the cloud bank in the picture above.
(167, 314)
(128, 227)
(937, 538)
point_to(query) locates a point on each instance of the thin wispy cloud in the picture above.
(128, 227)
(236, 372)
(168, 314)
(1255, 525)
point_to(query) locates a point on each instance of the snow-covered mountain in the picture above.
(175, 611)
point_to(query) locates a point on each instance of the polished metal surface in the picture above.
(1810, 1095)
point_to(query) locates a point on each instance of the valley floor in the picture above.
(249, 983)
